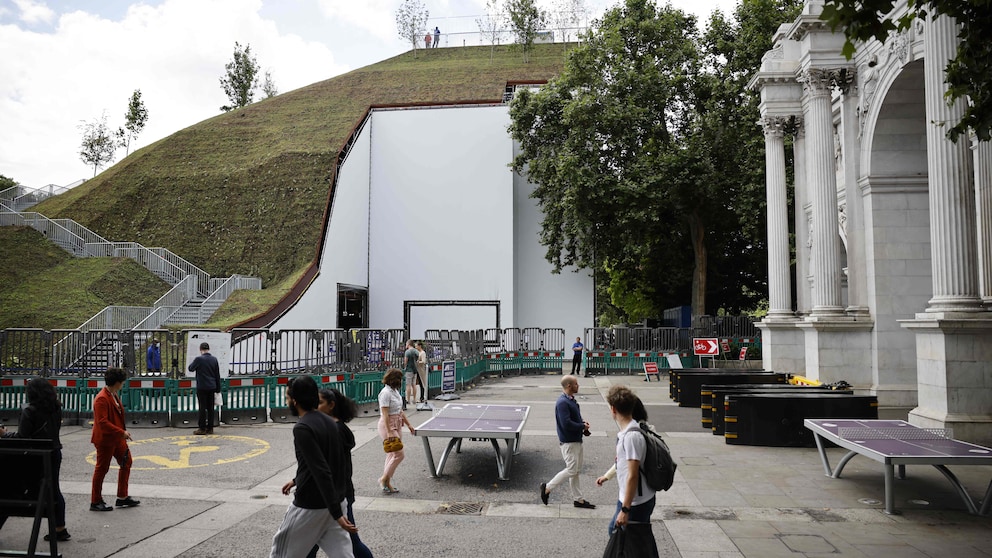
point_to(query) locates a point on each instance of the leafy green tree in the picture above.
(526, 19)
(491, 25)
(240, 78)
(98, 145)
(6, 182)
(269, 88)
(967, 73)
(411, 22)
(647, 161)
(134, 121)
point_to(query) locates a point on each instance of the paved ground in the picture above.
(219, 496)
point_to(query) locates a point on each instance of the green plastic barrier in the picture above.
(147, 403)
(12, 390)
(185, 411)
(552, 361)
(245, 400)
(530, 362)
(67, 390)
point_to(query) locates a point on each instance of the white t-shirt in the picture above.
(391, 398)
(631, 445)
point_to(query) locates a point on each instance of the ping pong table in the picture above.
(458, 421)
(896, 443)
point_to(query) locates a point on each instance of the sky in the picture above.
(64, 63)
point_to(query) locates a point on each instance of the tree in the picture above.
(98, 145)
(411, 22)
(6, 182)
(269, 86)
(566, 16)
(134, 121)
(491, 25)
(526, 19)
(240, 78)
(644, 158)
(967, 73)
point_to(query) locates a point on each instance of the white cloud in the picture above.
(377, 17)
(34, 12)
(174, 53)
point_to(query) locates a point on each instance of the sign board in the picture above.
(651, 368)
(725, 345)
(743, 353)
(705, 346)
(448, 376)
(674, 361)
(220, 348)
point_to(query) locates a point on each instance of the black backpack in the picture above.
(657, 468)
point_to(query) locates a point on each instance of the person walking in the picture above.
(391, 422)
(153, 358)
(636, 499)
(577, 356)
(316, 515)
(410, 357)
(207, 384)
(571, 428)
(41, 419)
(422, 370)
(339, 407)
(110, 439)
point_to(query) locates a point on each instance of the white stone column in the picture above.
(823, 194)
(953, 241)
(779, 291)
(983, 212)
(801, 198)
(857, 278)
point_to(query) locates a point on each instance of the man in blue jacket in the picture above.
(153, 359)
(207, 384)
(570, 428)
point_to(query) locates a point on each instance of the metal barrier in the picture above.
(147, 402)
(245, 400)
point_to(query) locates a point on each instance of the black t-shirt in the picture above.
(321, 477)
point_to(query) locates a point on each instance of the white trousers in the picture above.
(571, 452)
(303, 528)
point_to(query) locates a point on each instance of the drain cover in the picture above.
(461, 508)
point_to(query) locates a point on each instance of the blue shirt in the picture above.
(577, 347)
(568, 420)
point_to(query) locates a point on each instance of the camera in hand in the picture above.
(586, 432)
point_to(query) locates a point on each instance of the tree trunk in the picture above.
(698, 234)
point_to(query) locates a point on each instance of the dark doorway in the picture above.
(353, 303)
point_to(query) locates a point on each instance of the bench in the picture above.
(27, 490)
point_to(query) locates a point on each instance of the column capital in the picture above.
(775, 126)
(822, 81)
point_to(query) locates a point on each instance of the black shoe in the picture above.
(584, 504)
(100, 506)
(128, 502)
(60, 536)
(544, 493)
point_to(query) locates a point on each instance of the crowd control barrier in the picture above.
(185, 411)
(147, 403)
(245, 400)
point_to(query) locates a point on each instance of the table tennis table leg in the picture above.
(890, 497)
(832, 473)
(968, 502)
(430, 457)
(987, 502)
(503, 459)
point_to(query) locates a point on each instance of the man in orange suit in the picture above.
(110, 438)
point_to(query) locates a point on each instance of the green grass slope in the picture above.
(42, 286)
(245, 192)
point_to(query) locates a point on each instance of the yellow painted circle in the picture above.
(187, 452)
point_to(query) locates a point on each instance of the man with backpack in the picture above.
(637, 499)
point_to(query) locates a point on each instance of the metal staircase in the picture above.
(194, 297)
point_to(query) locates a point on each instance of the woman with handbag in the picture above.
(391, 421)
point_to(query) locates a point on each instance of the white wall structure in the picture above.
(906, 212)
(426, 209)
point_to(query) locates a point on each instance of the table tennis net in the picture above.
(895, 433)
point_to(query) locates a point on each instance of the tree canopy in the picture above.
(411, 22)
(240, 78)
(526, 19)
(647, 161)
(98, 146)
(967, 73)
(134, 121)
